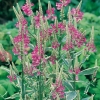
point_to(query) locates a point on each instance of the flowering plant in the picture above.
(51, 52)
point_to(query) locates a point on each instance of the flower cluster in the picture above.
(23, 23)
(55, 44)
(50, 13)
(12, 77)
(76, 71)
(58, 89)
(77, 36)
(62, 4)
(28, 70)
(17, 42)
(90, 46)
(68, 46)
(27, 9)
(77, 14)
(37, 54)
(52, 59)
(37, 20)
(61, 26)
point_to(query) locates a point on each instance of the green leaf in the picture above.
(67, 62)
(5, 69)
(88, 98)
(3, 74)
(77, 54)
(2, 90)
(88, 71)
(68, 85)
(13, 96)
(71, 95)
(10, 88)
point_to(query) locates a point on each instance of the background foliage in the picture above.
(6, 11)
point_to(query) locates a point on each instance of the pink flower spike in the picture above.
(76, 71)
(49, 31)
(27, 9)
(50, 13)
(68, 46)
(36, 56)
(61, 26)
(59, 89)
(62, 3)
(76, 13)
(54, 28)
(55, 45)
(59, 6)
(23, 22)
(12, 77)
(77, 36)
(38, 73)
(53, 59)
(37, 20)
(91, 46)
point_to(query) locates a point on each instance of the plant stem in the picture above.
(23, 94)
(72, 55)
(60, 51)
(23, 62)
(40, 84)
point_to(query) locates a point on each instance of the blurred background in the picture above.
(6, 11)
(91, 9)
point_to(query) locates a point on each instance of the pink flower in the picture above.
(28, 70)
(55, 45)
(77, 36)
(59, 89)
(76, 71)
(59, 6)
(68, 46)
(49, 31)
(27, 9)
(43, 35)
(19, 38)
(37, 20)
(16, 50)
(53, 59)
(12, 77)
(50, 13)
(38, 73)
(76, 13)
(17, 42)
(54, 28)
(61, 26)
(36, 57)
(23, 23)
(91, 47)
(62, 3)
(37, 54)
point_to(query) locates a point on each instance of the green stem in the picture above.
(40, 85)
(74, 78)
(23, 94)
(23, 62)
(60, 51)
